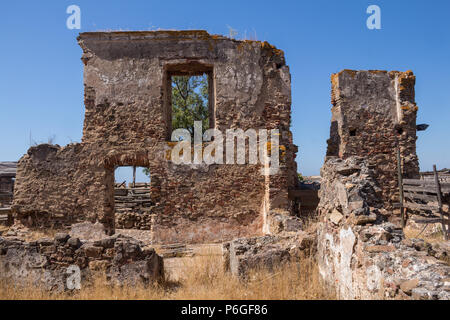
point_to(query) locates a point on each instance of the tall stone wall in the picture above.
(360, 254)
(372, 113)
(58, 186)
(127, 123)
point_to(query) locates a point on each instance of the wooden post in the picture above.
(439, 196)
(134, 176)
(400, 185)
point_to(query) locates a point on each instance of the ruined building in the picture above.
(373, 114)
(127, 122)
(360, 247)
(362, 250)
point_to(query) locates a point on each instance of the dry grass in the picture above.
(430, 237)
(203, 278)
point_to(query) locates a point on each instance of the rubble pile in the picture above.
(48, 262)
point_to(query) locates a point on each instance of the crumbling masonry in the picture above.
(360, 247)
(362, 251)
(128, 122)
(374, 112)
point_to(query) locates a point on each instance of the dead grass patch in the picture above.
(203, 278)
(414, 233)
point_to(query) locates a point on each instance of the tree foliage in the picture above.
(190, 102)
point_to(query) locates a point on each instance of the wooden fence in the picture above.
(5, 210)
(135, 198)
(425, 196)
(5, 216)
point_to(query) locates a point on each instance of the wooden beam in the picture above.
(400, 185)
(424, 183)
(429, 189)
(418, 182)
(120, 192)
(439, 197)
(418, 206)
(429, 220)
(419, 196)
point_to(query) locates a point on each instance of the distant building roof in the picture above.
(8, 169)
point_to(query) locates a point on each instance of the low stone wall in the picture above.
(362, 255)
(68, 190)
(133, 207)
(244, 254)
(133, 220)
(47, 263)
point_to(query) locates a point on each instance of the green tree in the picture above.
(190, 102)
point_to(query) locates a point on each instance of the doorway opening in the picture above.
(132, 198)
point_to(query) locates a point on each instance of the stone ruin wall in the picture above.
(361, 252)
(127, 124)
(363, 256)
(372, 110)
(48, 262)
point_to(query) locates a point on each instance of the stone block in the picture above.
(92, 251)
(88, 231)
(336, 217)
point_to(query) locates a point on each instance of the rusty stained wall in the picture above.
(127, 123)
(372, 110)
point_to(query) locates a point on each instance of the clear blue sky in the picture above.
(41, 84)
